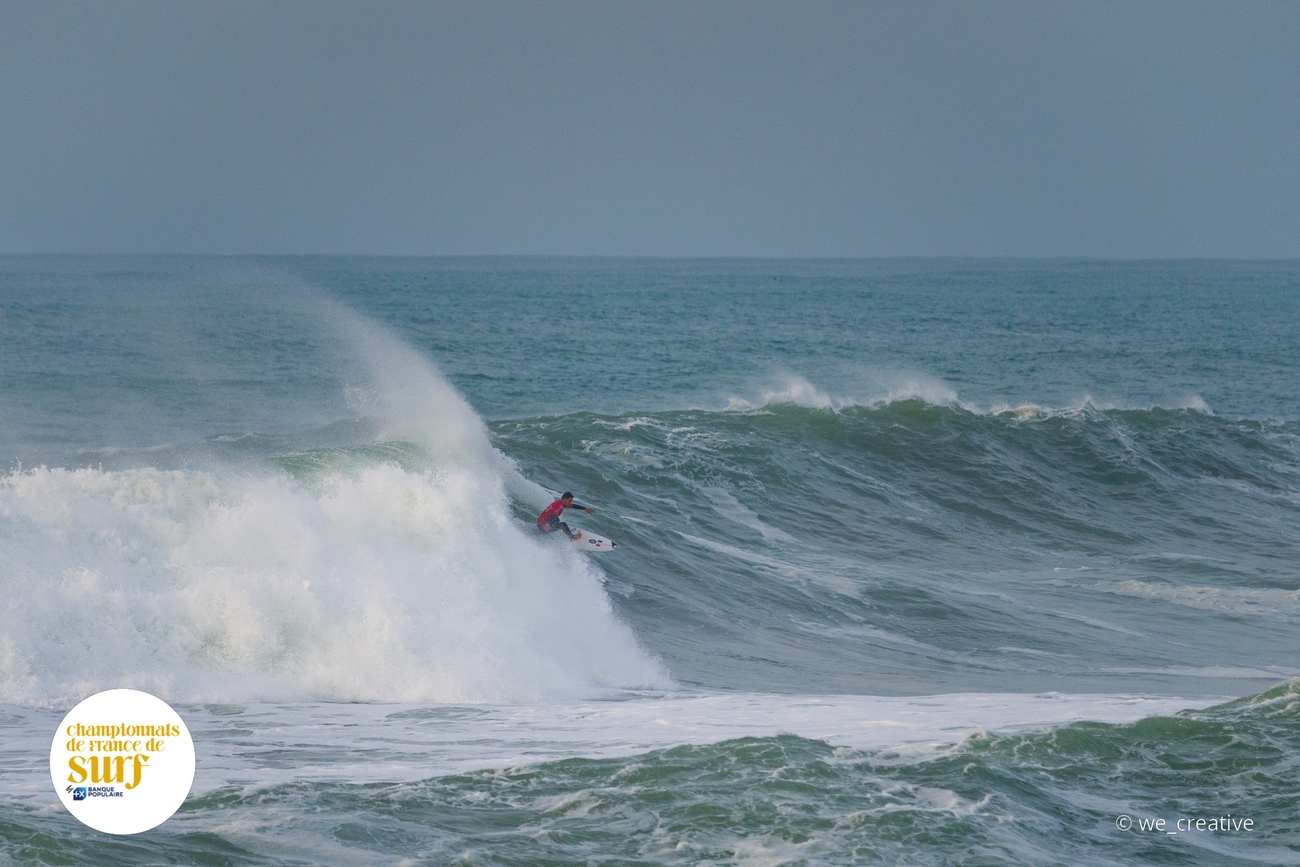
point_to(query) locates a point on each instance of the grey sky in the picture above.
(736, 128)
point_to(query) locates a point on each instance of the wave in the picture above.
(309, 576)
(805, 543)
(1064, 473)
(882, 389)
(855, 548)
(796, 548)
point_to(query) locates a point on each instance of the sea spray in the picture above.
(414, 403)
(358, 580)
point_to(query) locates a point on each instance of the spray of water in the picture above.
(370, 583)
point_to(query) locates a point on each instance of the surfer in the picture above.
(549, 520)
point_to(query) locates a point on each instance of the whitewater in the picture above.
(920, 561)
(358, 580)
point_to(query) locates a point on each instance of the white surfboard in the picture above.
(591, 543)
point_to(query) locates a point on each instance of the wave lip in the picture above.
(884, 389)
(1090, 405)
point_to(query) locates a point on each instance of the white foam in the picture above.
(1028, 411)
(383, 584)
(800, 392)
(877, 389)
(392, 742)
(1193, 402)
(1257, 601)
(373, 584)
(1272, 672)
(726, 504)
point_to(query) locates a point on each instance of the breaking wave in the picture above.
(309, 576)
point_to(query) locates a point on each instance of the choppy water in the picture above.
(1050, 506)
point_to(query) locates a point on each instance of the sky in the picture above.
(773, 129)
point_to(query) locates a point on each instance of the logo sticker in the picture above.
(122, 761)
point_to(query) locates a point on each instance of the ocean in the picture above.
(927, 561)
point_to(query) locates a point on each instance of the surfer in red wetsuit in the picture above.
(549, 520)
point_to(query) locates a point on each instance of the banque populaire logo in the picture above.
(122, 761)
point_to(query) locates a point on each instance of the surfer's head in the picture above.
(566, 496)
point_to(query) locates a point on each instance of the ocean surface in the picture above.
(921, 561)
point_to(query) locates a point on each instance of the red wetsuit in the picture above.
(549, 520)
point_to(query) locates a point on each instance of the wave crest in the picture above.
(884, 390)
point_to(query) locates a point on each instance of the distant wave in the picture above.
(792, 390)
(886, 389)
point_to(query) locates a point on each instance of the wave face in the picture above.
(906, 543)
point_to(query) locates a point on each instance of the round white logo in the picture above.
(122, 761)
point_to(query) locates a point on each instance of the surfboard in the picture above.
(591, 543)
